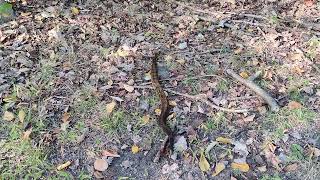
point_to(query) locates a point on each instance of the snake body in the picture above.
(165, 108)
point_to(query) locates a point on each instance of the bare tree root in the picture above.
(259, 91)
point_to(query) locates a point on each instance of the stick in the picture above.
(262, 93)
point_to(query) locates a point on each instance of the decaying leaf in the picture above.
(65, 117)
(8, 116)
(294, 105)
(243, 167)
(135, 149)
(145, 119)
(21, 116)
(270, 156)
(109, 153)
(218, 168)
(291, 167)
(224, 140)
(128, 88)
(64, 165)
(100, 165)
(203, 163)
(249, 118)
(110, 107)
(26, 134)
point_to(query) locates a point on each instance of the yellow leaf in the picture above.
(74, 11)
(8, 116)
(243, 167)
(219, 167)
(64, 165)
(128, 88)
(21, 115)
(147, 76)
(203, 163)
(122, 53)
(135, 149)
(157, 111)
(26, 134)
(145, 119)
(224, 140)
(244, 74)
(110, 107)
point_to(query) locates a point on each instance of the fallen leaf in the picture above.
(110, 107)
(219, 167)
(203, 163)
(262, 168)
(271, 157)
(109, 153)
(65, 117)
(75, 11)
(122, 53)
(291, 167)
(128, 88)
(147, 76)
(64, 165)
(172, 103)
(145, 119)
(157, 111)
(224, 140)
(244, 74)
(134, 149)
(309, 2)
(100, 165)
(294, 105)
(233, 178)
(26, 134)
(243, 167)
(8, 116)
(21, 116)
(249, 118)
(181, 61)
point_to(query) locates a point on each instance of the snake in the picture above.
(165, 108)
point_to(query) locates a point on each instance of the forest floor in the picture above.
(77, 103)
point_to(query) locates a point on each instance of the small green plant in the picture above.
(223, 86)
(285, 119)
(274, 177)
(115, 122)
(274, 19)
(216, 121)
(195, 88)
(296, 153)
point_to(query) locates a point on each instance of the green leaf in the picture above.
(5, 9)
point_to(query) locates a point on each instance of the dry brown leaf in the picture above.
(203, 163)
(135, 149)
(63, 166)
(218, 168)
(109, 153)
(294, 105)
(26, 134)
(65, 117)
(224, 140)
(8, 116)
(291, 167)
(270, 156)
(110, 107)
(243, 167)
(21, 116)
(249, 118)
(100, 165)
(128, 88)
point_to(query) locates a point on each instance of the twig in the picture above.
(204, 100)
(262, 93)
(199, 98)
(250, 23)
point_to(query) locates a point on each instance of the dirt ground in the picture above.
(77, 102)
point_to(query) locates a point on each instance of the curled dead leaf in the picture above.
(21, 116)
(64, 165)
(26, 134)
(100, 165)
(65, 117)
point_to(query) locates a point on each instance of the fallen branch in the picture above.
(205, 100)
(259, 91)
